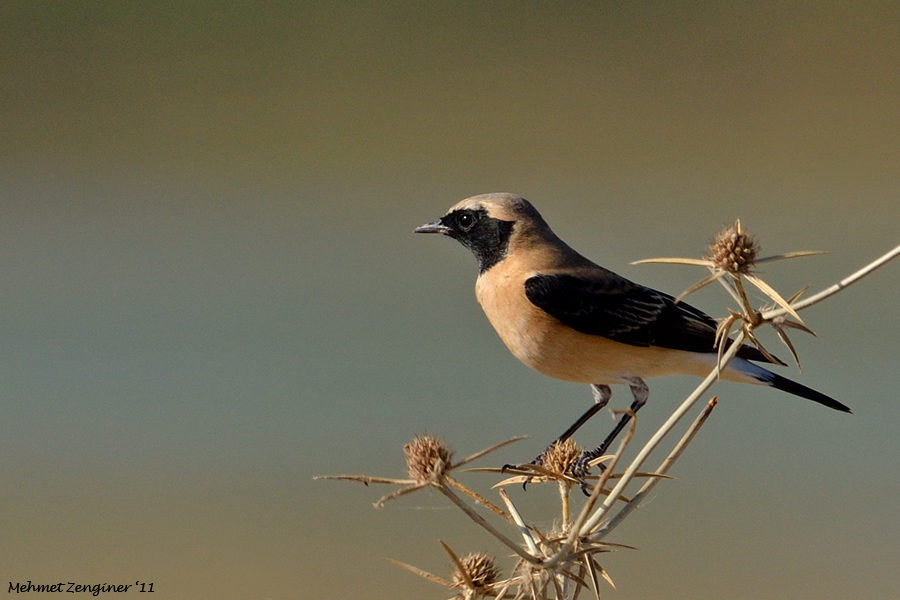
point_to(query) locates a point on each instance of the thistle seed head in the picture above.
(560, 456)
(733, 250)
(479, 567)
(427, 458)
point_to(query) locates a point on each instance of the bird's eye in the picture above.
(465, 221)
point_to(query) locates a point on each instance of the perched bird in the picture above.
(569, 318)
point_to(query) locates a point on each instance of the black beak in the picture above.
(433, 227)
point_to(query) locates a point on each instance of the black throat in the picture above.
(488, 241)
(485, 236)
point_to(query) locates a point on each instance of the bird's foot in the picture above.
(581, 467)
(538, 460)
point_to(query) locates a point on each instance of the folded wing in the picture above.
(599, 302)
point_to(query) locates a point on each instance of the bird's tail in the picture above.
(766, 377)
(792, 387)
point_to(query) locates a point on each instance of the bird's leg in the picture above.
(640, 391)
(601, 394)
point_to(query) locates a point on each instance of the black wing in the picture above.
(602, 303)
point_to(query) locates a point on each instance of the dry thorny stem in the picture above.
(560, 561)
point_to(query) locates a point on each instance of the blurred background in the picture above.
(211, 291)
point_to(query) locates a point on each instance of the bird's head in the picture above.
(487, 223)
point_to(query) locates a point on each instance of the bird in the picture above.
(571, 319)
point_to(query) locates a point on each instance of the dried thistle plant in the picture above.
(557, 562)
(562, 561)
(476, 572)
(428, 464)
(733, 256)
(475, 575)
(734, 250)
(427, 458)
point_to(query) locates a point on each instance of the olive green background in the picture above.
(210, 291)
